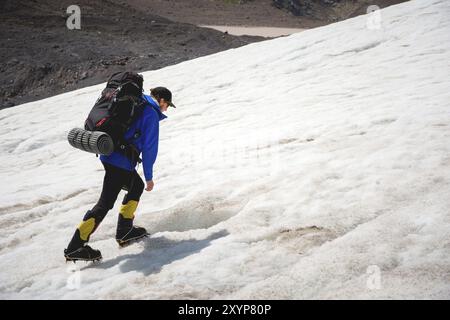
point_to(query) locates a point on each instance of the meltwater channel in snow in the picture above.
(313, 166)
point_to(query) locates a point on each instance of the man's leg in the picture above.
(128, 209)
(112, 184)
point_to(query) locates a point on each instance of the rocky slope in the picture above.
(41, 57)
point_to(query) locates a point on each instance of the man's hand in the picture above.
(150, 185)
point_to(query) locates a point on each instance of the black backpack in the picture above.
(115, 110)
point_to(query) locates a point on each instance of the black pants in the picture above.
(114, 181)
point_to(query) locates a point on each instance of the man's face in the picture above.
(163, 105)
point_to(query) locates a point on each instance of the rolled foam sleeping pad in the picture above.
(91, 141)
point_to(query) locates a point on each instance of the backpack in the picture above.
(119, 104)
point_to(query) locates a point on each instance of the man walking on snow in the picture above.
(120, 174)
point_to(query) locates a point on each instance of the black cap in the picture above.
(162, 93)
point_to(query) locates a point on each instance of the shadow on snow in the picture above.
(157, 253)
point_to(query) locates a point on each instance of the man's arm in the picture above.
(150, 146)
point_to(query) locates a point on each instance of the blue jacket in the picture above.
(147, 143)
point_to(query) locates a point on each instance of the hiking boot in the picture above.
(133, 234)
(84, 253)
